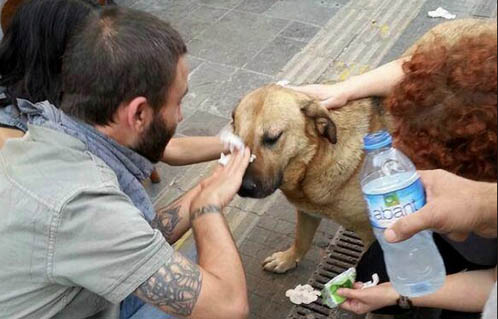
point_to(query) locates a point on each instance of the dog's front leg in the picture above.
(282, 262)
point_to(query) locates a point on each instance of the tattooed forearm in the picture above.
(166, 221)
(175, 287)
(211, 209)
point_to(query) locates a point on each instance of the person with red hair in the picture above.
(442, 95)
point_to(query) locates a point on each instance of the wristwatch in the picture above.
(405, 303)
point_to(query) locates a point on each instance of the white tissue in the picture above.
(283, 83)
(224, 159)
(442, 13)
(303, 295)
(231, 141)
(374, 282)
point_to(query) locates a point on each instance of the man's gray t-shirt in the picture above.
(71, 242)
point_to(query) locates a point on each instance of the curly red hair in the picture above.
(445, 110)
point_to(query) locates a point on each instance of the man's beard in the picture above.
(154, 140)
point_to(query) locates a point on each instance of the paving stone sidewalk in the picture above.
(238, 45)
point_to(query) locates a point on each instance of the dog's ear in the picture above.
(323, 121)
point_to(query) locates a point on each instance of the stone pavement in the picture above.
(238, 45)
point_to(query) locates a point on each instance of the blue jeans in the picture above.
(134, 308)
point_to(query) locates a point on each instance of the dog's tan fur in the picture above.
(319, 177)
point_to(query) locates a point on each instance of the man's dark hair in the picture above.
(33, 45)
(120, 54)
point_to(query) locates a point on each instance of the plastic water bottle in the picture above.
(392, 189)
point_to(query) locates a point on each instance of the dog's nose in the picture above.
(248, 188)
(249, 184)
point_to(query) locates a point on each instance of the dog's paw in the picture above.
(280, 262)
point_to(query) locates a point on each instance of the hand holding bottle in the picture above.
(455, 206)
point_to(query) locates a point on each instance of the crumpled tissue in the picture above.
(441, 13)
(303, 295)
(224, 159)
(283, 83)
(232, 142)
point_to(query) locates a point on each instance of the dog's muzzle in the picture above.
(255, 189)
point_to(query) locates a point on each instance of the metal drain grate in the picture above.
(343, 253)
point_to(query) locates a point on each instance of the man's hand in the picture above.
(219, 189)
(455, 206)
(217, 287)
(361, 301)
(330, 96)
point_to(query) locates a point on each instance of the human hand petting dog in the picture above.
(220, 188)
(455, 206)
(330, 96)
(378, 82)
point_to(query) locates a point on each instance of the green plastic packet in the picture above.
(329, 292)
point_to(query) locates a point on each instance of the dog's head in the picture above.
(283, 128)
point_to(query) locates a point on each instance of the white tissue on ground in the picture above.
(374, 282)
(303, 295)
(283, 83)
(441, 13)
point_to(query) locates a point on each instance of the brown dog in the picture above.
(315, 156)
(312, 155)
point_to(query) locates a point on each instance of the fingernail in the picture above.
(390, 235)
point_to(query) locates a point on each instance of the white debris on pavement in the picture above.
(442, 13)
(303, 295)
(374, 282)
(283, 83)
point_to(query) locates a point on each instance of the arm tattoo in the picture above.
(176, 285)
(211, 209)
(166, 221)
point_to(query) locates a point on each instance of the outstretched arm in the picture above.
(192, 150)
(378, 82)
(217, 287)
(467, 292)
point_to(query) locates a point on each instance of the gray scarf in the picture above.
(130, 167)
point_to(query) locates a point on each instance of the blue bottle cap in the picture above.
(377, 140)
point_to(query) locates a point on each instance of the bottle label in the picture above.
(385, 209)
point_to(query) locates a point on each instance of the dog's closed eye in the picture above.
(270, 140)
